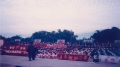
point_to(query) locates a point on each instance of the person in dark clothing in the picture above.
(96, 57)
(35, 52)
(92, 54)
(30, 50)
(3, 50)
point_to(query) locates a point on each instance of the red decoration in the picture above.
(112, 59)
(106, 60)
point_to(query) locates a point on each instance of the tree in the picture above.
(16, 37)
(2, 37)
(107, 35)
(51, 37)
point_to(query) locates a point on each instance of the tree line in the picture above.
(101, 36)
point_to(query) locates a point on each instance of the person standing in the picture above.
(35, 52)
(96, 57)
(30, 50)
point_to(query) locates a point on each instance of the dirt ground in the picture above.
(12, 61)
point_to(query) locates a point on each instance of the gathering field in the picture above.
(12, 61)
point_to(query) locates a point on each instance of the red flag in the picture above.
(58, 45)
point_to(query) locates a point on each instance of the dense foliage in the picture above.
(48, 37)
(107, 35)
(101, 36)
(52, 37)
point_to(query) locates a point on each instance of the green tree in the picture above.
(107, 35)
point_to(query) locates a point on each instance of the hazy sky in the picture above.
(81, 16)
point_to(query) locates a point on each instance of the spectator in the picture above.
(35, 52)
(30, 50)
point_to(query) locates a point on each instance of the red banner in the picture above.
(20, 50)
(74, 57)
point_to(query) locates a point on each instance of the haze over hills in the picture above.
(86, 35)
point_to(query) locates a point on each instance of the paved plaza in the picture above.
(12, 61)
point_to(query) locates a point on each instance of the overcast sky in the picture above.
(81, 16)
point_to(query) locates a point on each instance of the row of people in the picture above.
(47, 55)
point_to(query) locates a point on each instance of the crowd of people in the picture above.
(93, 50)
